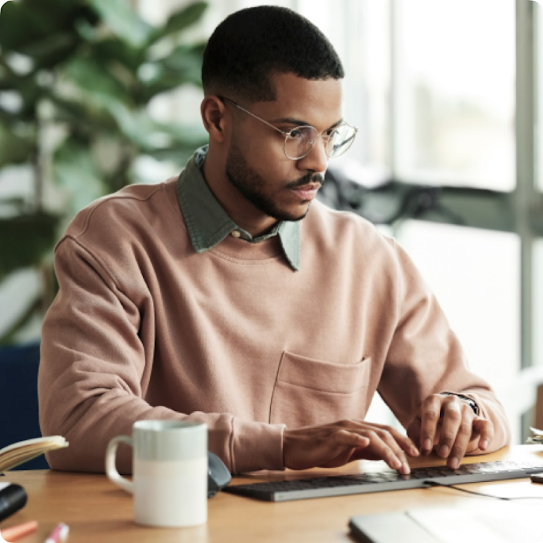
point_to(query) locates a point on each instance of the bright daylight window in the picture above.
(455, 92)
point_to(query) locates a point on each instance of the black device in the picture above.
(12, 498)
(218, 475)
(537, 478)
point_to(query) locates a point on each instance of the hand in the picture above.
(336, 444)
(449, 425)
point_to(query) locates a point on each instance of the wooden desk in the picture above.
(99, 512)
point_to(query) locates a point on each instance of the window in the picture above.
(454, 90)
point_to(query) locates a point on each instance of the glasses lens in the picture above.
(300, 141)
(340, 140)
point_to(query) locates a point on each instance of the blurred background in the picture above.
(97, 94)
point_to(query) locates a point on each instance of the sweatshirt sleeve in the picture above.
(93, 370)
(425, 357)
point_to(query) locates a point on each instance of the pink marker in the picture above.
(59, 534)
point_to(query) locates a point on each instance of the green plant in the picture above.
(76, 79)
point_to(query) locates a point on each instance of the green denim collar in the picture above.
(207, 221)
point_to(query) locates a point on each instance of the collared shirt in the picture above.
(208, 223)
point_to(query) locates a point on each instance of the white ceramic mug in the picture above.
(169, 472)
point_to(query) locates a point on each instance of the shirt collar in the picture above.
(208, 223)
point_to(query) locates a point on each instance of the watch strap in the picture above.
(466, 399)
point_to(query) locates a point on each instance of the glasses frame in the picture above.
(287, 133)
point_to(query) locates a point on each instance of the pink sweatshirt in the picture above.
(145, 328)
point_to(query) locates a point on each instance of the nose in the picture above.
(316, 160)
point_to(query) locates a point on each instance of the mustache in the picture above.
(306, 180)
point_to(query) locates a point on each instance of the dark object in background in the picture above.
(218, 475)
(19, 397)
(12, 498)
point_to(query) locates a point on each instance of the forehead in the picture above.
(315, 102)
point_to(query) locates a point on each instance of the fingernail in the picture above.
(427, 444)
(406, 470)
(413, 451)
(454, 462)
(443, 451)
(396, 464)
(484, 444)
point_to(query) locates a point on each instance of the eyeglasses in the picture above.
(300, 141)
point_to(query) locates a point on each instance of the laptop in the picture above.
(481, 520)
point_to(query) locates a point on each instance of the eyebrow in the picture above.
(298, 122)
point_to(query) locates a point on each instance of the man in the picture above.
(231, 296)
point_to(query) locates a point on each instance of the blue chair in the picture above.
(19, 397)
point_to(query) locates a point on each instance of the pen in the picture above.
(16, 532)
(59, 534)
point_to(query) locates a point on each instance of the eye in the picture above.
(296, 134)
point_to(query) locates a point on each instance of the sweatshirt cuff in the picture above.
(256, 446)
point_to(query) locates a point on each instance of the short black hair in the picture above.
(252, 44)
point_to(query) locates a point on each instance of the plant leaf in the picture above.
(182, 66)
(14, 148)
(179, 21)
(20, 25)
(95, 84)
(116, 50)
(50, 50)
(75, 170)
(192, 136)
(42, 28)
(25, 240)
(123, 21)
(137, 127)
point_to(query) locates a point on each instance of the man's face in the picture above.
(256, 164)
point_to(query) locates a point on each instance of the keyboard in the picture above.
(341, 485)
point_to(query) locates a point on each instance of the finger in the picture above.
(485, 429)
(463, 437)
(400, 444)
(437, 435)
(453, 414)
(405, 443)
(340, 448)
(414, 430)
(429, 420)
(384, 447)
(378, 434)
(347, 438)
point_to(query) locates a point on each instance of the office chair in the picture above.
(19, 397)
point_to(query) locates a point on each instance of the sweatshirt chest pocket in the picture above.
(309, 391)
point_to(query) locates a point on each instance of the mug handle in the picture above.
(111, 469)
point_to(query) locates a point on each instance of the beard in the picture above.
(251, 185)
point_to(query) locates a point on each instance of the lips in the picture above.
(307, 192)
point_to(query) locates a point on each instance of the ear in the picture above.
(213, 113)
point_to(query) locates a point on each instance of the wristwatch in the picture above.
(466, 399)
